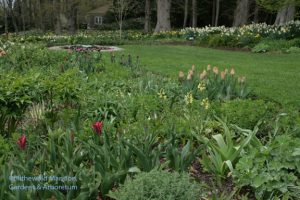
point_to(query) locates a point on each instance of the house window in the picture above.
(98, 20)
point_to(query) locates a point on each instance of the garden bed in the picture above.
(117, 128)
(90, 48)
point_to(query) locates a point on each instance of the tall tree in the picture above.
(186, 12)
(5, 16)
(10, 9)
(147, 26)
(285, 14)
(58, 25)
(121, 9)
(285, 9)
(163, 15)
(73, 16)
(241, 13)
(195, 14)
(256, 13)
(215, 12)
(22, 8)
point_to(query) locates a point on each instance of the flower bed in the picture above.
(100, 120)
(84, 48)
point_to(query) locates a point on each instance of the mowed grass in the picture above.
(275, 76)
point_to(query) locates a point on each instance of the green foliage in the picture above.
(247, 113)
(285, 46)
(180, 161)
(21, 57)
(261, 48)
(17, 93)
(4, 146)
(147, 152)
(89, 62)
(147, 124)
(293, 50)
(158, 185)
(275, 5)
(59, 157)
(224, 151)
(219, 40)
(272, 170)
(213, 84)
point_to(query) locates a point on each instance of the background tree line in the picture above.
(156, 15)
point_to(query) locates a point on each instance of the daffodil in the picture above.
(188, 98)
(201, 86)
(162, 95)
(205, 103)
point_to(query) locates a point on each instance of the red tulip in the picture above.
(22, 142)
(98, 127)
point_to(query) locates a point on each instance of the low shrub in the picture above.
(261, 48)
(272, 170)
(293, 50)
(4, 146)
(158, 185)
(17, 93)
(286, 46)
(247, 113)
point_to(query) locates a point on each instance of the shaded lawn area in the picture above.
(275, 76)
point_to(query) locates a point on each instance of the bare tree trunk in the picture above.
(256, 12)
(213, 19)
(58, 17)
(186, 10)
(194, 23)
(217, 12)
(241, 13)
(30, 13)
(147, 26)
(5, 18)
(121, 9)
(39, 15)
(73, 19)
(285, 14)
(121, 28)
(11, 12)
(23, 14)
(121, 16)
(163, 15)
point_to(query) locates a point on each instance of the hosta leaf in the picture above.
(221, 143)
(134, 170)
(296, 152)
(229, 164)
(258, 181)
(185, 150)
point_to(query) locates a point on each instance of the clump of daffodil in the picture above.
(201, 86)
(188, 98)
(162, 95)
(205, 103)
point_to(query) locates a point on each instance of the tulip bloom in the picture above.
(181, 75)
(232, 72)
(216, 70)
(22, 142)
(208, 67)
(223, 74)
(203, 75)
(98, 127)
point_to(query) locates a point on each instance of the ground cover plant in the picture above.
(260, 38)
(115, 121)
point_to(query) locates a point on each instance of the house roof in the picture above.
(101, 10)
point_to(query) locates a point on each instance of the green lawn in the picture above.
(276, 76)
